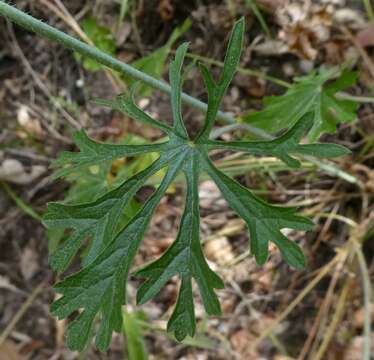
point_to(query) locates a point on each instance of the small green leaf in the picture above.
(312, 95)
(103, 39)
(216, 91)
(154, 63)
(93, 153)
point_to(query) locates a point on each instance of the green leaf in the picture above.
(103, 39)
(311, 95)
(185, 257)
(93, 153)
(154, 63)
(124, 8)
(216, 91)
(97, 219)
(99, 288)
(133, 335)
(264, 220)
(285, 146)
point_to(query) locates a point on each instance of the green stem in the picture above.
(359, 99)
(369, 9)
(20, 203)
(40, 28)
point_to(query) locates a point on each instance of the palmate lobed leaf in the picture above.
(312, 95)
(100, 286)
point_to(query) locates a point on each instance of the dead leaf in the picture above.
(271, 5)
(166, 10)
(304, 28)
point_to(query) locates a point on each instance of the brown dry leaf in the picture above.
(304, 28)
(228, 305)
(9, 351)
(123, 33)
(31, 346)
(339, 51)
(166, 10)
(272, 5)
(254, 87)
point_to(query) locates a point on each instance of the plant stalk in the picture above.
(43, 29)
(40, 28)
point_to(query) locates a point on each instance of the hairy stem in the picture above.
(40, 28)
(37, 26)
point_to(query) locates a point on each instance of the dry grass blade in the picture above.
(326, 305)
(329, 334)
(321, 274)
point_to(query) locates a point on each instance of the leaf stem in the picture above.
(40, 28)
(20, 203)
